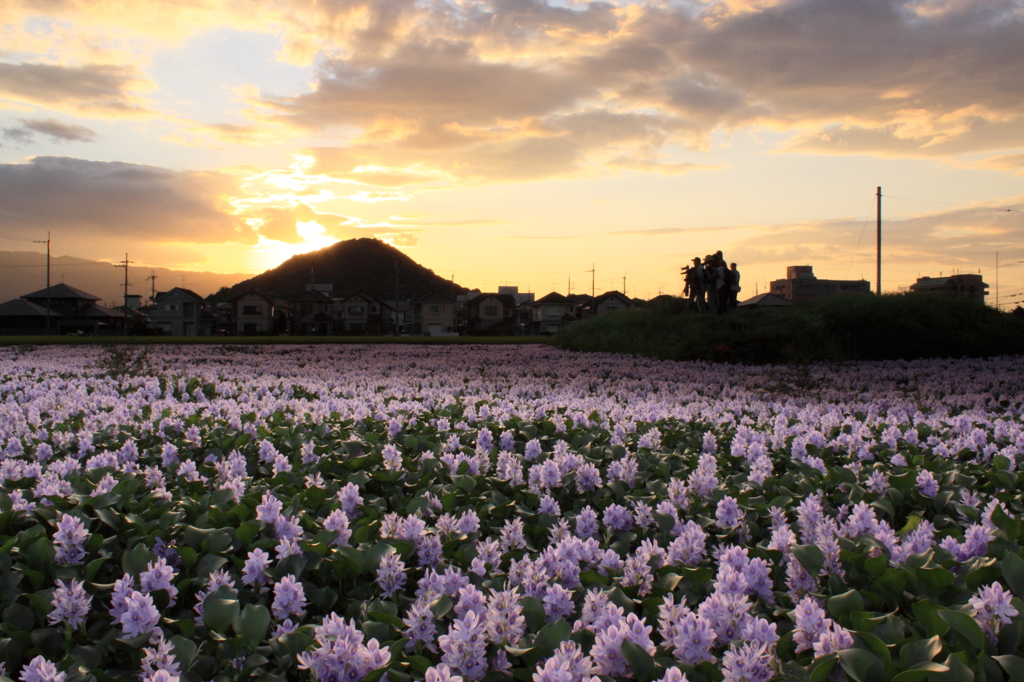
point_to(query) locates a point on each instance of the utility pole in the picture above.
(124, 264)
(623, 285)
(152, 288)
(878, 248)
(397, 326)
(593, 270)
(47, 242)
(997, 281)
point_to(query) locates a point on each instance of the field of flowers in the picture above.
(454, 514)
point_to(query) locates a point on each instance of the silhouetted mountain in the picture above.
(367, 264)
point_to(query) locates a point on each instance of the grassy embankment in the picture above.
(854, 327)
(249, 340)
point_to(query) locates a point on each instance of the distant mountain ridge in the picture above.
(351, 265)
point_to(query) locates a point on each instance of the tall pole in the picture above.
(623, 285)
(997, 280)
(124, 264)
(878, 248)
(47, 242)
(592, 292)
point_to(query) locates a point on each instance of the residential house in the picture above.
(61, 309)
(182, 312)
(252, 313)
(767, 300)
(491, 314)
(801, 285)
(612, 301)
(957, 286)
(552, 312)
(363, 313)
(311, 314)
(433, 314)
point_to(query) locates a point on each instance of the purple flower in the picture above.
(607, 649)
(337, 521)
(70, 604)
(465, 647)
(254, 571)
(441, 673)
(504, 622)
(927, 484)
(140, 615)
(751, 662)
(617, 518)
(557, 603)
(728, 514)
(289, 598)
(390, 574)
(158, 576)
(990, 607)
(159, 659)
(810, 623)
(340, 654)
(419, 622)
(41, 670)
(70, 541)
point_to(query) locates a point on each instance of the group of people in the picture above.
(711, 285)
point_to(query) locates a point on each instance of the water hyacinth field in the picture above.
(454, 514)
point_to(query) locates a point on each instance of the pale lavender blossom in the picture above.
(41, 670)
(390, 574)
(70, 541)
(254, 571)
(70, 604)
(750, 662)
(140, 615)
(337, 521)
(927, 484)
(991, 608)
(420, 626)
(340, 653)
(289, 598)
(728, 514)
(158, 576)
(465, 647)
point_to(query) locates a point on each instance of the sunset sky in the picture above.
(521, 141)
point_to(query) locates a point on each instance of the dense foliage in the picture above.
(246, 513)
(842, 328)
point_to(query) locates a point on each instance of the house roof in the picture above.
(19, 307)
(364, 294)
(613, 294)
(94, 310)
(182, 290)
(312, 296)
(554, 298)
(433, 296)
(62, 291)
(251, 292)
(507, 300)
(768, 300)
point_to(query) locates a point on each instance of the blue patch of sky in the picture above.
(197, 79)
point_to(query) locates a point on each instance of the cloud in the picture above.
(126, 200)
(94, 89)
(50, 127)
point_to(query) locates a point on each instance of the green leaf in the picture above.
(374, 555)
(1006, 524)
(184, 651)
(533, 611)
(861, 665)
(958, 672)
(1013, 573)
(821, 667)
(1013, 665)
(921, 651)
(134, 560)
(252, 624)
(920, 672)
(810, 557)
(927, 615)
(553, 634)
(965, 625)
(842, 604)
(639, 660)
(220, 609)
(442, 606)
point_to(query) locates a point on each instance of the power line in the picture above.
(946, 203)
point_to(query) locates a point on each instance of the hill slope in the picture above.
(367, 264)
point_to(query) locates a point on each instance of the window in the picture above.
(252, 310)
(355, 310)
(170, 307)
(490, 310)
(435, 309)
